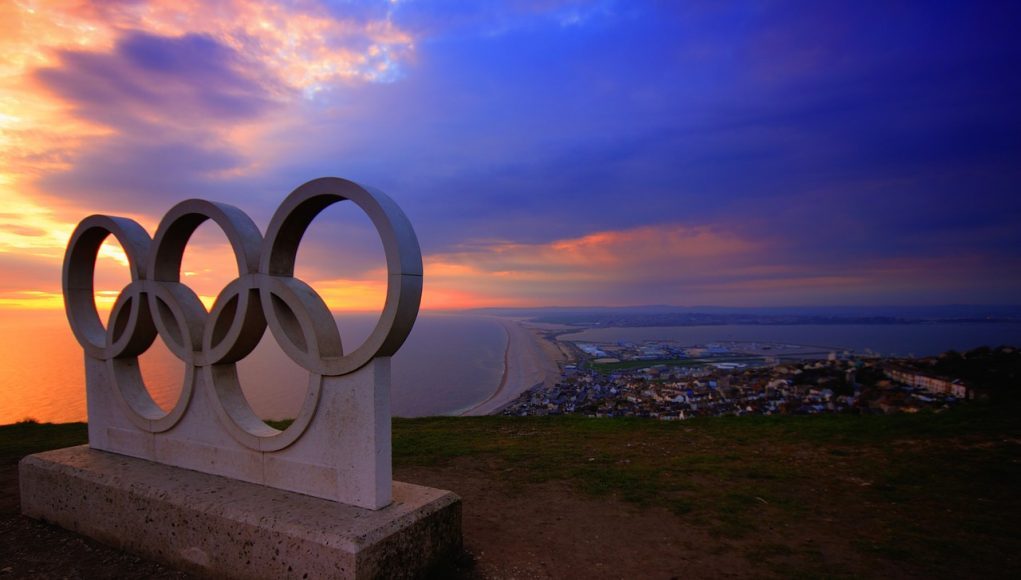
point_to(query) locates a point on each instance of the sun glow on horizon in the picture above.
(543, 157)
(720, 268)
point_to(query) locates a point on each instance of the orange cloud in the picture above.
(294, 47)
(598, 268)
(654, 264)
(301, 43)
(596, 256)
(674, 264)
(31, 300)
(352, 295)
(655, 242)
(288, 49)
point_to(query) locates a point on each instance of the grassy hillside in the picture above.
(930, 494)
(938, 490)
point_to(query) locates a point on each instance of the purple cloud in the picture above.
(848, 135)
(168, 101)
(188, 82)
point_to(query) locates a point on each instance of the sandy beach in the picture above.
(528, 361)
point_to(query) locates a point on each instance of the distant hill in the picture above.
(666, 315)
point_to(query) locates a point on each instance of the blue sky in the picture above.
(548, 152)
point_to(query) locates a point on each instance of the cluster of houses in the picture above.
(928, 382)
(594, 387)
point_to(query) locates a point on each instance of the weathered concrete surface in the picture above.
(338, 446)
(227, 528)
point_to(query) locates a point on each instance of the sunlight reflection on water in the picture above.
(449, 362)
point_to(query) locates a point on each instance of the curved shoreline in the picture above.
(525, 365)
(503, 377)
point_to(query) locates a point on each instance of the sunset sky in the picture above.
(548, 152)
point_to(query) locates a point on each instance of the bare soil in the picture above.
(836, 497)
(31, 549)
(546, 530)
(550, 530)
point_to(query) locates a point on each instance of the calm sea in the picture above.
(885, 339)
(449, 363)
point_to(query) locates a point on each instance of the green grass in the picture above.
(27, 437)
(280, 424)
(935, 492)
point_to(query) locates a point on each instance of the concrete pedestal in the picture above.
(221, 527)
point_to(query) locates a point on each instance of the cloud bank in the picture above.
(564, 152)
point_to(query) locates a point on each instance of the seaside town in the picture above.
(667, 381)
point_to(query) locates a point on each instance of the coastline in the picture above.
(527, 362)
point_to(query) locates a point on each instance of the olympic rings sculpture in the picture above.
(265, 293)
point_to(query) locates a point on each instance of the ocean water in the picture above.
(885, 339)
(449, 363)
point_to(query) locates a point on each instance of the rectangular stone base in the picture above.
(221, 527)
